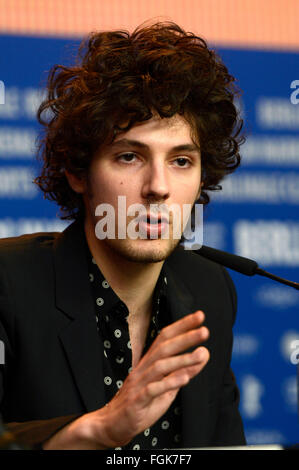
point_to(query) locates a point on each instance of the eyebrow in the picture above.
(142, 145)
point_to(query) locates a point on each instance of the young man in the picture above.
(125, 342)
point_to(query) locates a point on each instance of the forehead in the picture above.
(175, 130)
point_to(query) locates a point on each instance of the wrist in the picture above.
(89, 432)
(77, 435)
(107, 429)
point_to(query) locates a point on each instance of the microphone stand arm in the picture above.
(262, 272)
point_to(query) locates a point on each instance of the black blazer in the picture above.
(53, 355)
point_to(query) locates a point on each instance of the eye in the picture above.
(183, 162)
(127, 157)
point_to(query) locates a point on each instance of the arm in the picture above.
(33, 433)
(30, 433)
(145, 395)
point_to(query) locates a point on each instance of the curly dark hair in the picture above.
(122, 77)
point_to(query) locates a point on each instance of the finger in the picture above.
(180, 343)
(189, 322)
(196, 368)
(174, 331)
(163, 367)
(173, 381)
(171, 347)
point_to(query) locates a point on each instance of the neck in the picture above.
(133, 282)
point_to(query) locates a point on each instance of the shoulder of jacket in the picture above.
(30, 244)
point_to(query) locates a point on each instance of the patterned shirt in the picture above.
(111, 320)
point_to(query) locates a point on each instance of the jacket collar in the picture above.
(80, 339)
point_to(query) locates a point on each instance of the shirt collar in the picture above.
(112, 301)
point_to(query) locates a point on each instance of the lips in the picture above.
(153, 225)
(154, 219)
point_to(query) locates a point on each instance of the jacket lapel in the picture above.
(195, 394)
(80, 339)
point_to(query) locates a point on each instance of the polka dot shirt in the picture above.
(111, 322)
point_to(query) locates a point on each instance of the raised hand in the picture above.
(147, 392)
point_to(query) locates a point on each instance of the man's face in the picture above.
(155, 162)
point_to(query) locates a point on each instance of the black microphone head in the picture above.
(235, 262)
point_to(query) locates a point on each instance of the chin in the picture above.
(144, 252)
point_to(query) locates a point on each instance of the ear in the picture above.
(77, 183)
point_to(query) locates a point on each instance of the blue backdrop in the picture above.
(256, 214)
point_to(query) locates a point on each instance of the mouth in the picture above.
(153, 225)
(156, 219)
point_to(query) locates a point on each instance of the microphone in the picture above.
(240, 264)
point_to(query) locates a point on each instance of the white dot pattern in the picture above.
(111, 322)
(154, 441)
(108, 380)
(100, 301)
(119, 383)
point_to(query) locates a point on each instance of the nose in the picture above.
(156, 184)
